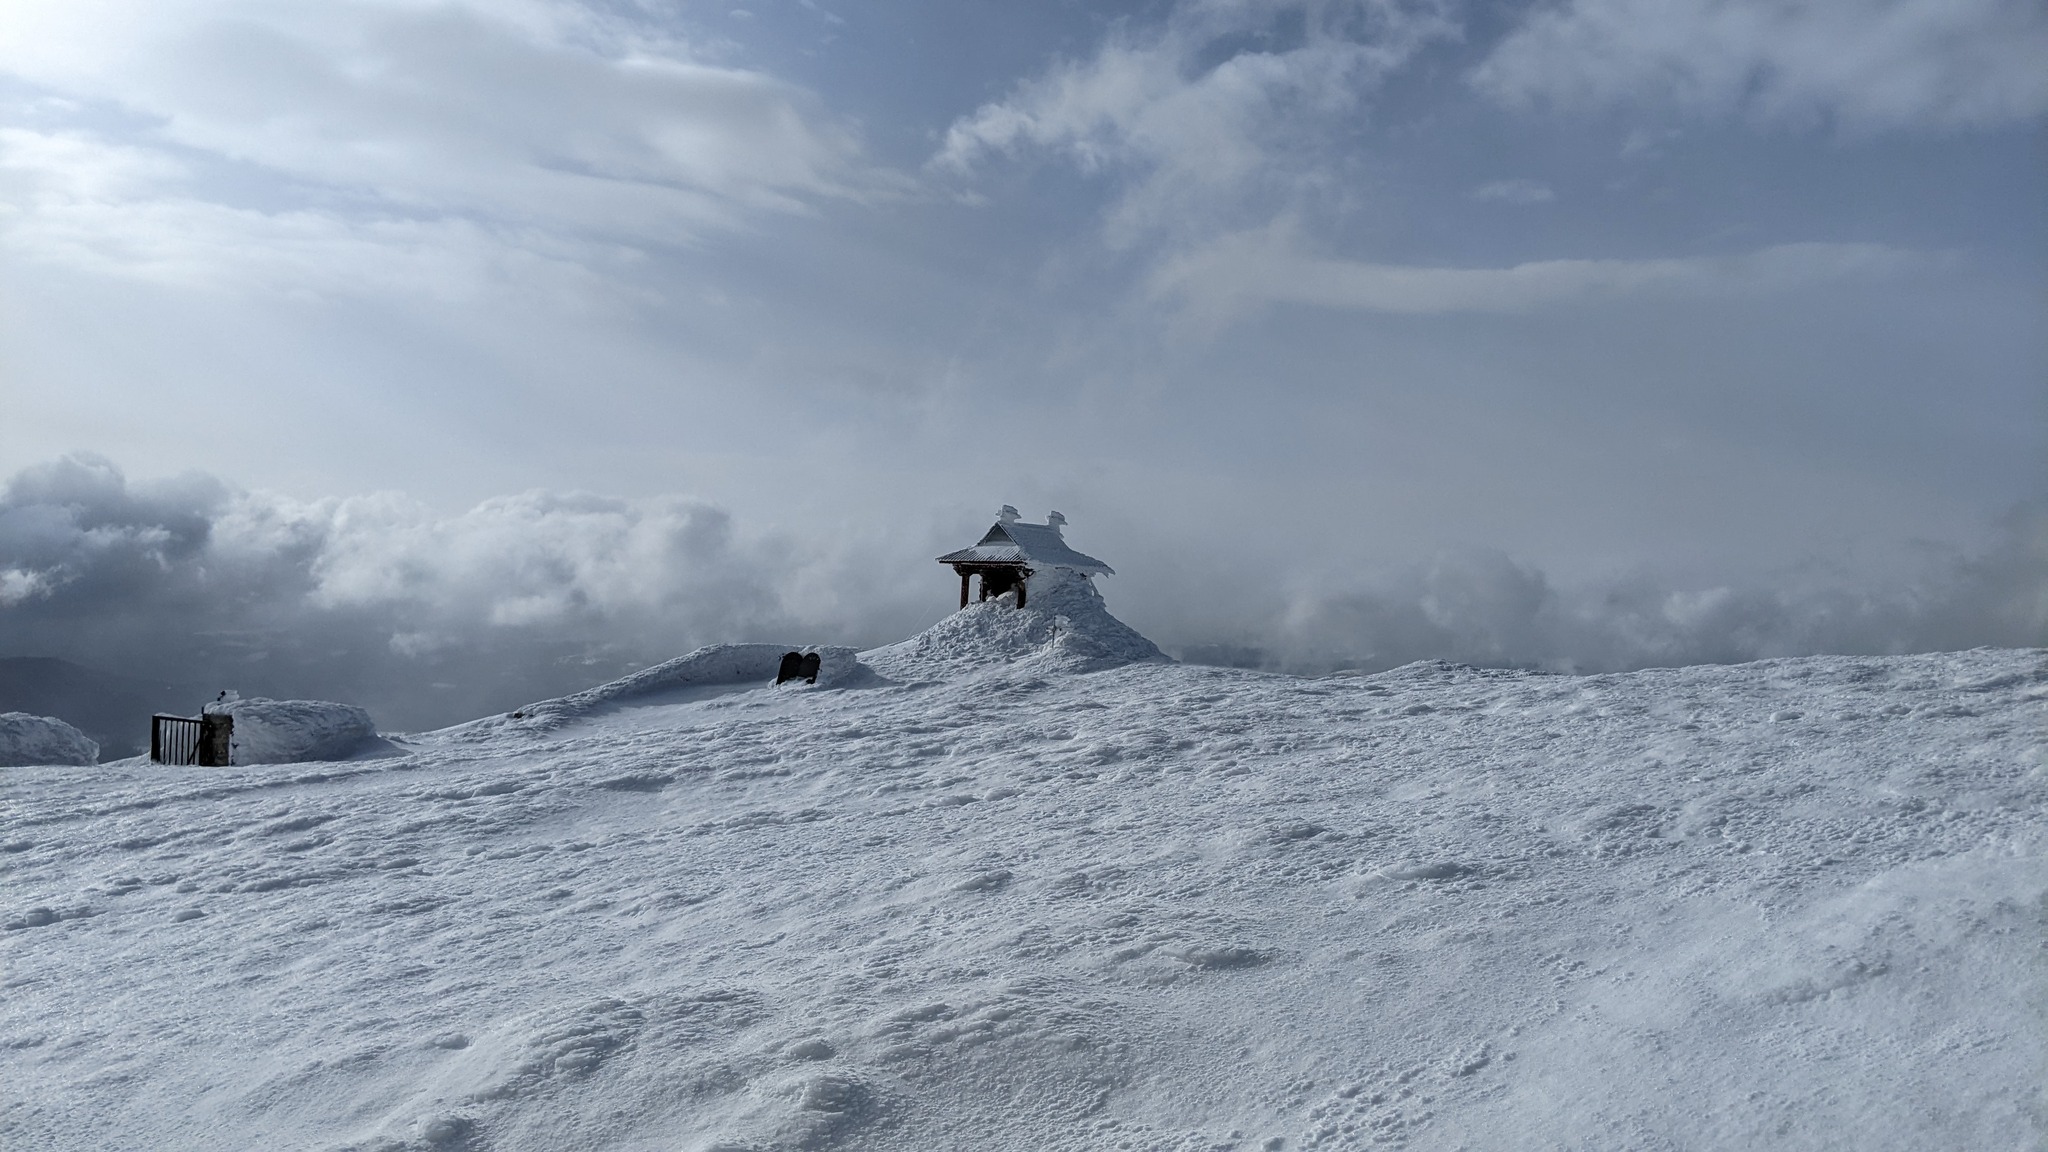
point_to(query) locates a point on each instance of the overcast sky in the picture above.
(481, 310)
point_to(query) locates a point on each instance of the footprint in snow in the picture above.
(832, 1094)
(1435, 870)
(815, 1048)
(35, 918)
(1221, 959)
(446, 1131)
(984, 882)
(1073, 883)
(828, 1108)
(1298, 831)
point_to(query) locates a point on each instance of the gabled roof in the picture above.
(1011, 541)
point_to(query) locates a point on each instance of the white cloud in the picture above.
(75, 531)
(1266, 266)
(17, 585)
(1194, 128)
(1866, 64)
(546, 559)
(213, 134)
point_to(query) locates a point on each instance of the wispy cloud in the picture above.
(1516, 191)
(1267, 267)
(1864, 64)
(179, 138)
(127, 212)
(1222, 99)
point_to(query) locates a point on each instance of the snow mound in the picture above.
(1063, 627)
(711, 666)
(294, 731)
(26, 739)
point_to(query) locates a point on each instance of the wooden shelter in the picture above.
(1012, 550)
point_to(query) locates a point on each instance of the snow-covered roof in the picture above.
(1012, 541)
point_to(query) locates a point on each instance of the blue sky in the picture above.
(1272, 299)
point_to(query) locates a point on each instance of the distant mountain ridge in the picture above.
(112, 709)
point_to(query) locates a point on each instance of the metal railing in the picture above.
(203, 740)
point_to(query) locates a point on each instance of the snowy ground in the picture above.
(1016, 905)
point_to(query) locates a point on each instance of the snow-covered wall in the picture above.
(292, 731)
(26, 739)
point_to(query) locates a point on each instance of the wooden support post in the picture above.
(964, 579)
(1020, 590)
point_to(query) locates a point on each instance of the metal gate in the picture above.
(203, 740)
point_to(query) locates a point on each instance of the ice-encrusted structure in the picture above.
(295, 731)
(1063, 627)
(26, 740)
(1038, 547)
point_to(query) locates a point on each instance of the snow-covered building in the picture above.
(1012, 550)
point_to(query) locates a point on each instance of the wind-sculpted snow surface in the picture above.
(26, 739)
(1795, 904)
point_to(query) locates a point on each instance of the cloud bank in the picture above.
(377, 600)
(429, 619)
(1484, 608)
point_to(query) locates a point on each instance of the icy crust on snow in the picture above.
(27, 740)
(710, 667)
(297, 731)
(1063, 627)
(1786, 905)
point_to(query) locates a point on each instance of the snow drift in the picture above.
(294, 731)
(26, 739)
(1063, 627)
(707, 669)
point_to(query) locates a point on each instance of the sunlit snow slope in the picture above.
(1002, 903)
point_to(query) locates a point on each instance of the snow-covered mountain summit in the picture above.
(1064, 626)
(989, 900)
